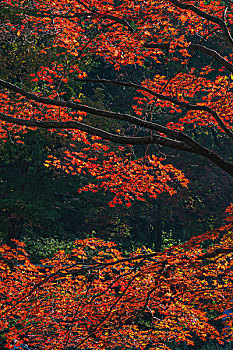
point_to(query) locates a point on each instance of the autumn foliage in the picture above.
(95, 296)
(67, 35)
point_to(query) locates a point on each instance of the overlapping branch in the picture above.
(213, 19)
(75, 125)
(175, 139)
(187, 106)
(72, 16)
(196, 47)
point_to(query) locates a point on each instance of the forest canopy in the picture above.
(124, 98)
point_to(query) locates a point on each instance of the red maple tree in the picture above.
(97, 298)
(125, 33)
(94, 296)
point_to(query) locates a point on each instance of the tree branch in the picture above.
(161, 46)
(185, 105)
(75, 125)
(209, 52)
(99, 112)
(208, 17)
(179, 140)
(75, 15)
(213, 54)
(216, 253)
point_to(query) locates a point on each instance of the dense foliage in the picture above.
(97, 99)
(95, 297)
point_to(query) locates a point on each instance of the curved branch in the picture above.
(213, 54)
(75, 15)
(191, 146)
(179, 140)
(126, 117)
(198, 12)
(75, 125)
(185, 105)
(208, 17)
(161, 46)
(216, 252)
(209, 52)
(99, 112)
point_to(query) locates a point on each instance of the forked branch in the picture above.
(176, 140)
